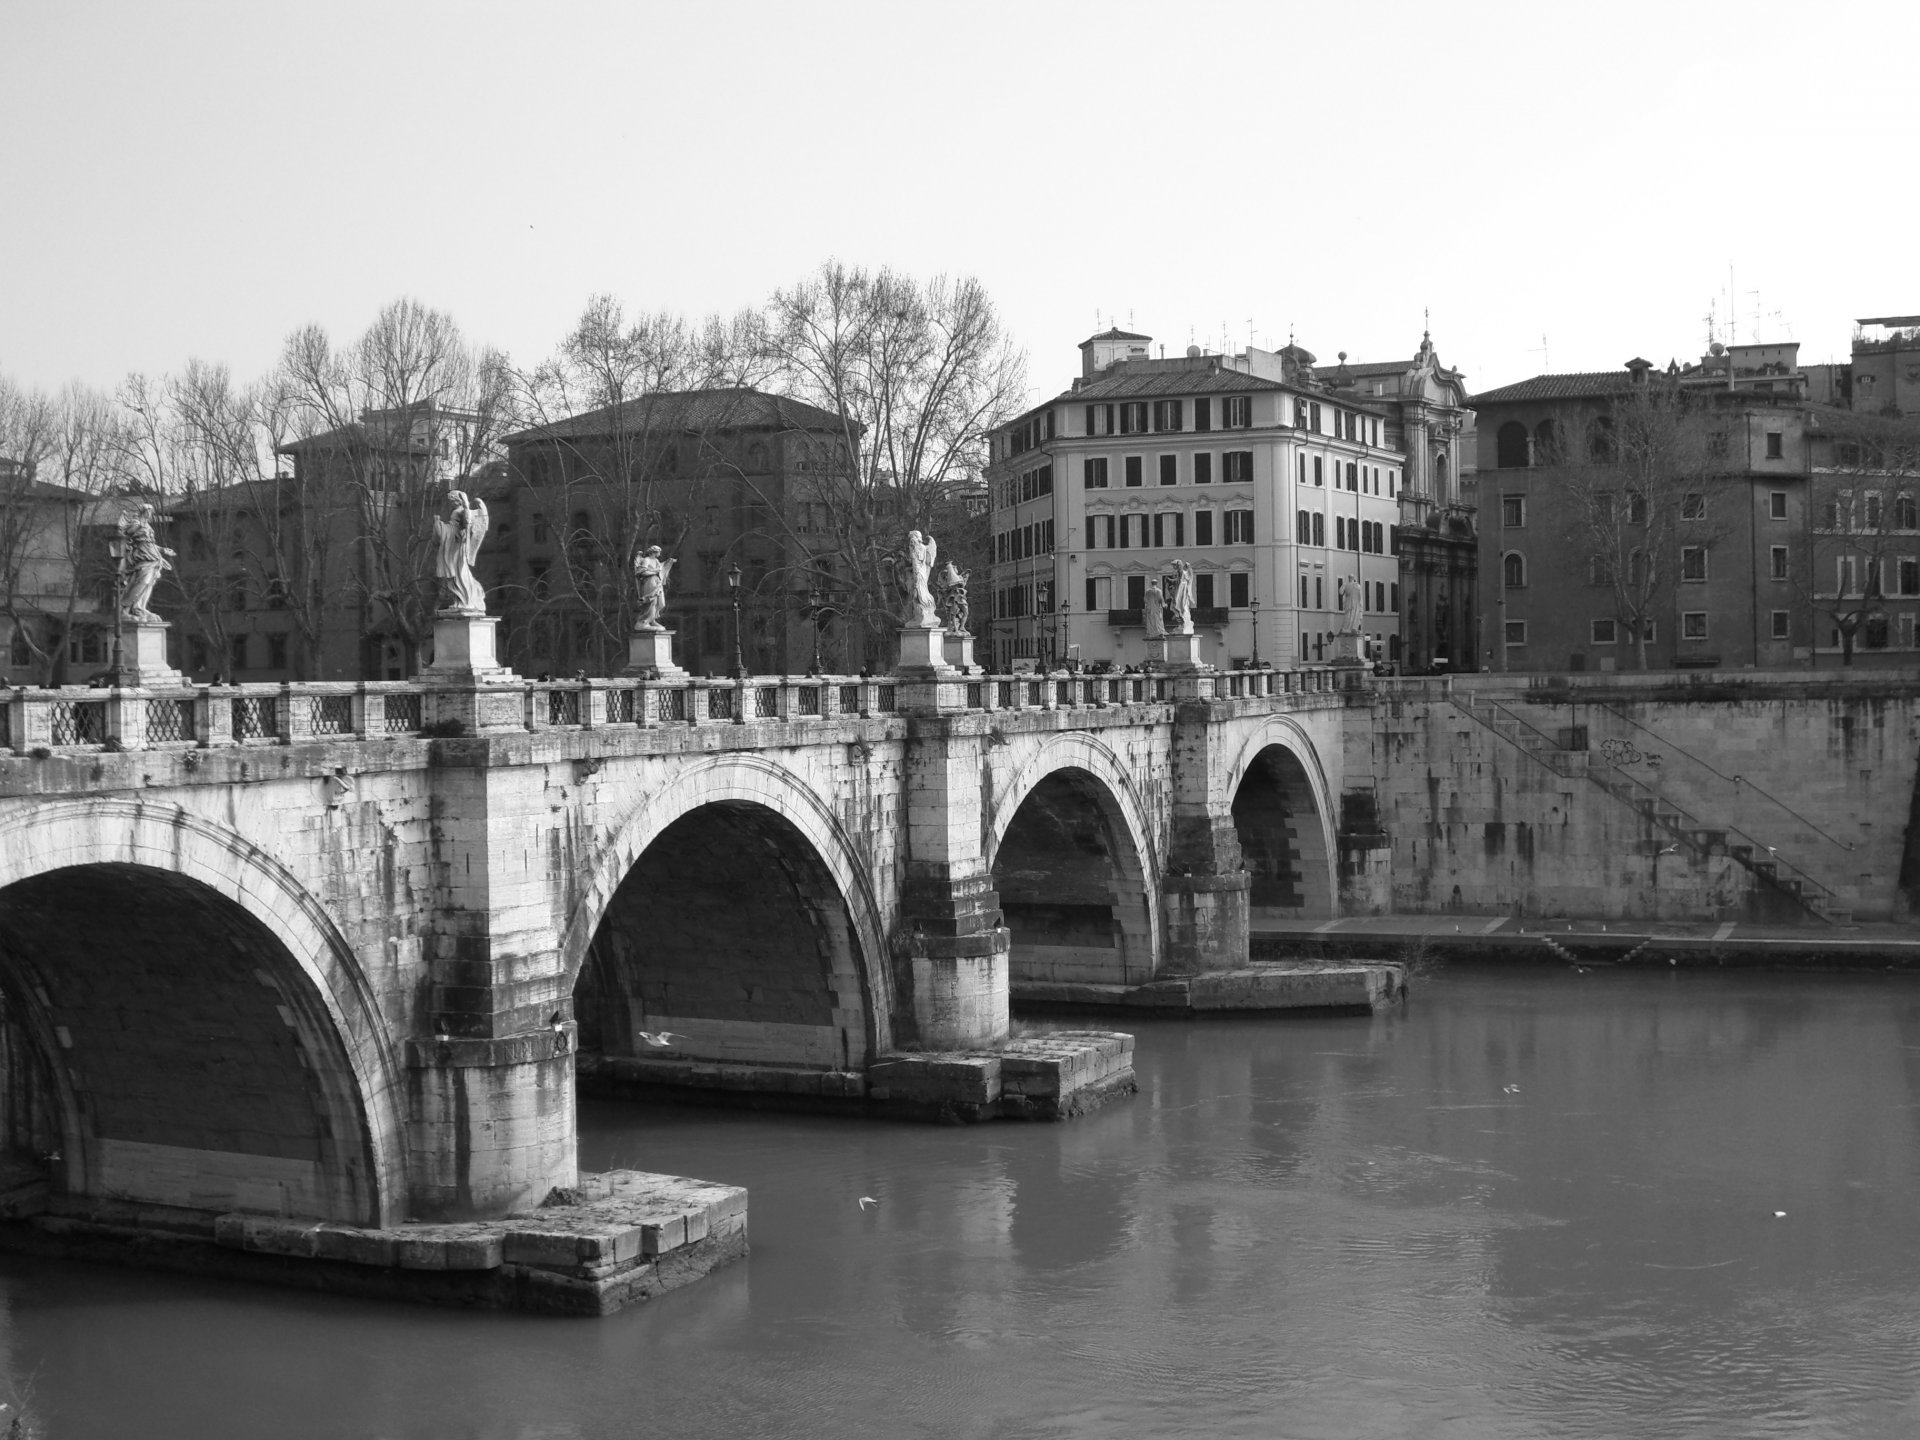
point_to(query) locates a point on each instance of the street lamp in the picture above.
(1066, 633)
(816, 602)
(733, 587)
(1254, 602)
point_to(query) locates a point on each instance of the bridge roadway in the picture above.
(330, 952)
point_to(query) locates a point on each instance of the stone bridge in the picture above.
(332, 951)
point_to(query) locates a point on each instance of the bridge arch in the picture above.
(1283, 815)
(1073, 858)
(204, 1034)
(732, 908)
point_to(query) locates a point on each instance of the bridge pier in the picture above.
(492, 1123)
(1205, 890)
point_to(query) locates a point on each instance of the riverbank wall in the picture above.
(1767, 798)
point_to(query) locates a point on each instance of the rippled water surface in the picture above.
(1535, 1204)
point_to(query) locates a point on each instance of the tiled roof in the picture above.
(1116, 333)
(347, 436)
(697, 411)
(1128, 382)
(1576, 386)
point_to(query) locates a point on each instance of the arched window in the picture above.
(1512, 446)
(1546, 443)
(1513, 570)
(1600, 449)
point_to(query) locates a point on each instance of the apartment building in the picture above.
(1278, 489)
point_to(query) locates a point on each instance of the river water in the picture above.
(1536, 1204)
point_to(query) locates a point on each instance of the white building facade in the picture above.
(1280, 493)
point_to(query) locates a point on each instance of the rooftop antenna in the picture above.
(1733, 309)
(1546, 365)
(1711, 323)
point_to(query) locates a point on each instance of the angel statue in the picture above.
(456, 541)
(921, 551)
(652, 572)
(1153, 607)
(146, 558)
(953, 598)
(1182, 602)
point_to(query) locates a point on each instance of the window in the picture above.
(1774, 452)
(1845, 576)
(1510, 446)
(1777, 557)
(1693, 562)
(1339, 532)
(1904, 515)
(1693, 625)
(1516, 632)
(1317, 463)
(1169, 469)
(1239, 588)
(1302, 527)
(1203, 590)
(1717, 445)
(1353, 476)
(1203, 414)
(1319, 530)
(1133, 417)
(196, 653)
(1203, 469)
(1777, 505)
(1909, 576)
(1873, 510)
(1169, 528)
(1093, 473)
(1166, 415)
(277, 652)
(1236, 465)
(1136, 592)
(1239, 528)
(1236, 412)
(1780, 631)
(1693, 506)
(1636, 508)
(1099, 419)
(1513, 571)
(1135, 471)
(1203, 527)
(1604, 632)
(237, 653)
(1099, 592)
(1513, 510)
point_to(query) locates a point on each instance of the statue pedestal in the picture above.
(651, 651)
(463, 650)
(958, 649)
(921, 648)
(143, 655)
(1175, 652)
(1347, 646)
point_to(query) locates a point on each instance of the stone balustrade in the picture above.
(74, 718)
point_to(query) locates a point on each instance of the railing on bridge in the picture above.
(42, 721)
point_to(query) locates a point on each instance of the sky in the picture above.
(1559, 186)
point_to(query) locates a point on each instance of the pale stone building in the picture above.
(1280, 486)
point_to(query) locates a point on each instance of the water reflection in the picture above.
(1538, 1203)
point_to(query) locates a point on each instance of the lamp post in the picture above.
(117, 549)
(816, 601)
(1254, 603)
(1066, 633)
(733, 588)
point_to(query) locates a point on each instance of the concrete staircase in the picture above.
(1684, 829)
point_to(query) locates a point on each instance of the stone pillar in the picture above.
(490, 1070)
(951, 958)
(650, 652)
(1173, 653)
(1204, 896)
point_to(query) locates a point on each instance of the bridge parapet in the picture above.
(74, 718)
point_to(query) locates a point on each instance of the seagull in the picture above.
(1779, 1214)
(659, 1039)
(1668, 851)
(1509, 1089)
(867, 1202)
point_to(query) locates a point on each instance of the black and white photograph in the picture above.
(996, 721)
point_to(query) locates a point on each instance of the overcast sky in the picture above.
(199, 179)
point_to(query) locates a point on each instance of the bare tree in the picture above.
(384, 426)
(918, 372)
(1643, 497)
(624, 420)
